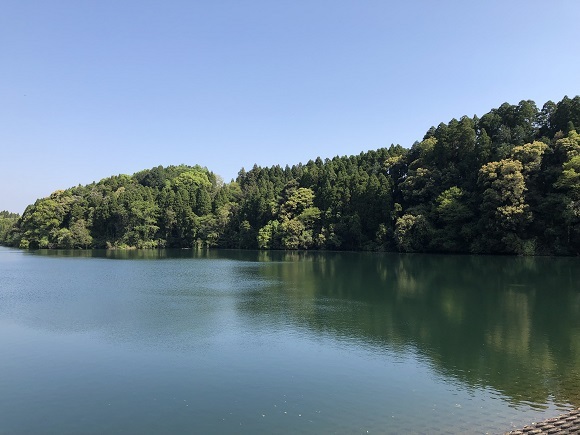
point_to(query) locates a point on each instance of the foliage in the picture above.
(508, 182)
(7, 224)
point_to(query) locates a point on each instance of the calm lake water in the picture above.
(273, 342)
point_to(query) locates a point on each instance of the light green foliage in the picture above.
(80, 235)
(569, 184)
(41, 222)
(297, 217)
(192, 180)
(7, 226)
(426, 148)
(309, 216)
(265, 235)
(570, 178)
(505, 213)
(301, 199)
(569, 145)
(294, 235)
(412, 233)
(450, 207)
(452, 218)
(141, 222)
(503, 196)
(530, 156)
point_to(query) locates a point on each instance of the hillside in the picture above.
(507, 182)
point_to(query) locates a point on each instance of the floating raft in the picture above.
(563, 424)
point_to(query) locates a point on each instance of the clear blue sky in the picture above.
(90, 89)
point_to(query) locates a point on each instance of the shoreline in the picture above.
(567, 423)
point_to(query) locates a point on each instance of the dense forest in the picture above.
(507, 182)
(7, 222)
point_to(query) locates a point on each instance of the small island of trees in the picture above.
(505, 183)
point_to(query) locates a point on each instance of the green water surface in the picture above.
(273, 342)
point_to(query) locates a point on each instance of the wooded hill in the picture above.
(508, 182)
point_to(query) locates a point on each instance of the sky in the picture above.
(90, 89)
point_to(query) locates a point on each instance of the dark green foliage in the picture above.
(508, 182)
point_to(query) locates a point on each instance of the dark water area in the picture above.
(284, 342)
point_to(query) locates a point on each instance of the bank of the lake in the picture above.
(188, 341)
(563, 424)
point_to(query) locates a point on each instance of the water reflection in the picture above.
(157, 254)
(509, 323)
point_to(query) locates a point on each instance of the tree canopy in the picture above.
(507, 182)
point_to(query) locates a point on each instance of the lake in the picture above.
(284, 342)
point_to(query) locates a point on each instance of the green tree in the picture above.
(453, 217)
(7, 225)
(412, 233)
(504, 210)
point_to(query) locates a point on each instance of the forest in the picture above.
(507, 182)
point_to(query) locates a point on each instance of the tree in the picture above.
(530, 156)
(412, 233)
(8, 223)
(506, 182)
(452, 215)
(569, 184)
(504, 210)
